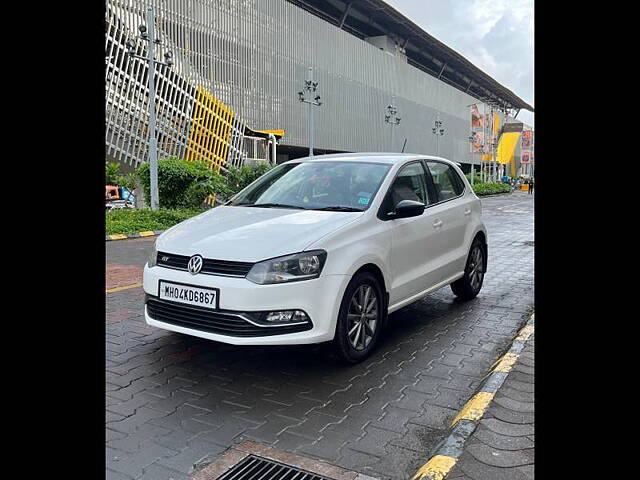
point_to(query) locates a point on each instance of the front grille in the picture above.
(209, 266)
(222, 322)
(253, 467)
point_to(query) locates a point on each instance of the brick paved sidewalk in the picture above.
(502, 448)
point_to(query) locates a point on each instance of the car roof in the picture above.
(378, 157)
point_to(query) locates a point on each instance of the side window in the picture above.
(445, 180)
(410, 184)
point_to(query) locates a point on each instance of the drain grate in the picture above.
(257, 468)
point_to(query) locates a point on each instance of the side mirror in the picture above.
(407, 208)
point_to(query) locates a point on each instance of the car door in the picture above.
(452, 213)
(411, 246)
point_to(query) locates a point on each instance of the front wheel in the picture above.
(470, 284)
(362, 313)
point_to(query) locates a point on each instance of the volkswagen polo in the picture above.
(320, 249)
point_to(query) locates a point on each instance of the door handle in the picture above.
(437, 224)
(467, 212)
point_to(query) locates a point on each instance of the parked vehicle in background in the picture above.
(118, 197)
(320, 249)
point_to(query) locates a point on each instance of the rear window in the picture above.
(446, 180)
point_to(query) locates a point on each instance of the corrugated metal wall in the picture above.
(253, 55)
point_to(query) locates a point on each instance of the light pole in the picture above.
(310, 86)
(472, 140)
(148, 34)
(438, 131)
(392, 118)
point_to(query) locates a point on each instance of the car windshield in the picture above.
(327, 185)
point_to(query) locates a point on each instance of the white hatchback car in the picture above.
(320, 249)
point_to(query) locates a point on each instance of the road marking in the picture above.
(117, 289)
(118, 236)
(474, 408)
(506, 363)
(438, 467)
(435, 469)
(524, 334)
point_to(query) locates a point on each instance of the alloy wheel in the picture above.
(476, 267)
(362, 317)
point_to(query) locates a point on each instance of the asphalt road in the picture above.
(175, 403)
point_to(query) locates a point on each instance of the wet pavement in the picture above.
(502, 446)
(175, 403)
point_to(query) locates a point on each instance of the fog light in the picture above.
(286, 316)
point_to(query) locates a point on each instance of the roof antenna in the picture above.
(404, 145)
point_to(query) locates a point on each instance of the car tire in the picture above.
(468, 287)
(358, 345)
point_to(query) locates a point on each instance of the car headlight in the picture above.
(290, 268)
(153, 257)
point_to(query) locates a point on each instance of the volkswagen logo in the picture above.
(195, 264)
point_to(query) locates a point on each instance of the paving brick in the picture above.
(430, 360)
(436, 417)
(374, 441)
(515, 405)
(501, 442)
(507, 428)
(158, 472)
(133, 464)
(195, 452)
(499, 458)
(480, 471)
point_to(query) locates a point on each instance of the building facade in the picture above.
(250, 58)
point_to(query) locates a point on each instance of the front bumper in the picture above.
(320, 298)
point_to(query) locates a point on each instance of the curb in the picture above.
(463, 425)
(121, 236)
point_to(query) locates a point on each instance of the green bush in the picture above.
(112, 176)
(238, 178)
(491, 188)
(476, 177)
(181, 184)
(129, 220)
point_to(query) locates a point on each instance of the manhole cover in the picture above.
(254, 468)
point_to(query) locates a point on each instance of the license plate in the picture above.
(189, 294)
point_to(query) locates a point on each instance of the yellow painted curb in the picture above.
(474, 408)
(117, 289)
(506, 363)
(524, 334)
(436, 468)
(148, 233)
(118, 236)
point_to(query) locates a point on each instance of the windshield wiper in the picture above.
(275, 205)
(339, 208)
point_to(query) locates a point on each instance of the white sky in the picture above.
(495, 35)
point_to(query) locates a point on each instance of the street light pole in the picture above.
(438, 131)
(153, 139)
(310, 86)
(148, 34)
(392, 118)
(472, 139)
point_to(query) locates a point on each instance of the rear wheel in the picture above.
(360, 319)
(470, 284)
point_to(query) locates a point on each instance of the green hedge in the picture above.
(129, 220)
(491, 188)
(181, 184)
(235, 179)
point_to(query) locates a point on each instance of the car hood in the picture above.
(249, 234)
